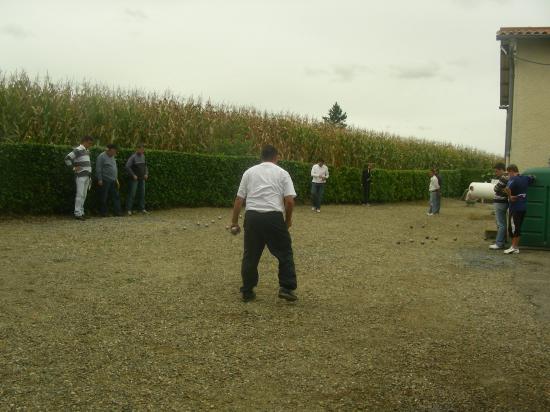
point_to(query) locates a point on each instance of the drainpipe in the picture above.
(510, 109)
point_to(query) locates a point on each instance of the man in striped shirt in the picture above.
(79, 160)
(500, 204)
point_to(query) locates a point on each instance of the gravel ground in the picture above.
(143, 313)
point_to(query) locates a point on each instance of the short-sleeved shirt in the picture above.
(265, 186)
(518, 187)
(434, 184)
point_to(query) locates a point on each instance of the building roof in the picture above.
(514, 32)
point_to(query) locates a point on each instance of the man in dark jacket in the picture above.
(138, 173)
(366, 180)
(517, 199)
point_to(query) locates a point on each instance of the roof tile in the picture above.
(507, 32)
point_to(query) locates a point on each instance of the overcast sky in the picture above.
(424, 68)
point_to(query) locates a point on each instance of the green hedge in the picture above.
(34, 179)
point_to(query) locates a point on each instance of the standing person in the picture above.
(269, 194)
(107, 180)
(366, 180)
(434, 194)
(138, 173)
(319, 175)
(517, 198)
(500, 203)
(439, 192)
(79, 160)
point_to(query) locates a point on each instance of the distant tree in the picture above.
(336, 116)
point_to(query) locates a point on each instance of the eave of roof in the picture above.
(523, 32)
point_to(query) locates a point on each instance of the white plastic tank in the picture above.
(481, 190)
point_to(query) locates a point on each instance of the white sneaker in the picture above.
(511, 250)
(495, 247)
(318, 210)
(429, 214)
(129, 213)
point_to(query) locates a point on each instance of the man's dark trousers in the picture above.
(109, 189)
(261, 229)
(366, 192)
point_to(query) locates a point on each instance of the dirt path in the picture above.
(144, 313)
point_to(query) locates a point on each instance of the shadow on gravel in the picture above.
(534, 281)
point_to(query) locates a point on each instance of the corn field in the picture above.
(42, 111)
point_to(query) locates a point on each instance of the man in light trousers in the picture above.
(79, 160)
(500, 203)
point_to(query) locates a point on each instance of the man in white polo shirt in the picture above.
(269, 194)
(319, 176)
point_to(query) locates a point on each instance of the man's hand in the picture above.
(235, 229)
(288, 224)
(513, 198)
(145, 177)
(235, 215)
(77, 169)
(100, 182)
(135, 177)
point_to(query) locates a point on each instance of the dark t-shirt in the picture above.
(366, 176)
(518, 187)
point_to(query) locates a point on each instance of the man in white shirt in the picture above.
(434, 194)
(269, 194)
(319, 176)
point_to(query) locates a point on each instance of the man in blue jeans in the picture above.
(434, 194)
(500, 203)
(319, 176)
(138, 173)
(107, 180)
